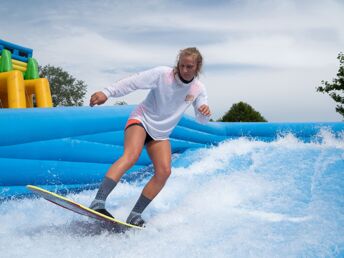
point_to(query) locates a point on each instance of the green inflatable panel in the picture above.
(5, 61)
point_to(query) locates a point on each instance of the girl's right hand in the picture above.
(98, 98)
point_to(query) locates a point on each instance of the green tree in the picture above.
(65, 89)
(336, 88)
(242, 112)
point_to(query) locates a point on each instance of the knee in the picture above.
(162, 174)
(131, 159)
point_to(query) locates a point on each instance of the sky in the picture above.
(271, 54)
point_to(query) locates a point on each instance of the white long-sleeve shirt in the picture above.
(166, 102)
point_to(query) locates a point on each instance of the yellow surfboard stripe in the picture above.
(39, 189)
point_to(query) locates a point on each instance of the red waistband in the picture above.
(132, 121)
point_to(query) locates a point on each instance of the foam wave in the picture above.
(243, 198)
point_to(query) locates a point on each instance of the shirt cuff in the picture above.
(106, 92)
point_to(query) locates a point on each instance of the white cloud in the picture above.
(280, 95)
(288, 46)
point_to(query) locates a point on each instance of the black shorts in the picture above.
(132, 122)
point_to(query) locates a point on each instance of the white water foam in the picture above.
(243, 198)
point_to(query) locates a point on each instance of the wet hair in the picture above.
(190, 51)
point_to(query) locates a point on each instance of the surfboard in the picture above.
(77, 208)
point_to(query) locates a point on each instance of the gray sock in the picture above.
(104, 190)
(135, 218)
(135, 215)
(141, 204)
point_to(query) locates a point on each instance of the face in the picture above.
(187, 67)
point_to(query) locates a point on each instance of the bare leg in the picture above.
(133, 144)
(160, 154)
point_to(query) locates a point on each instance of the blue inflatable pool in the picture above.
(72, 148)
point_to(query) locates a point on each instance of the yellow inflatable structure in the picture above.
(15, 92)
(18, 65)
(20, 85)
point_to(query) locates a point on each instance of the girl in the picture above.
(172, 91)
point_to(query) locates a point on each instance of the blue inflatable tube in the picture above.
(300, 130)
(18, 52)
(72, 147)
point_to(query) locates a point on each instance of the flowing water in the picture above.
(242, 198)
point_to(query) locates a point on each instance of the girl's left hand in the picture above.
(204, 110)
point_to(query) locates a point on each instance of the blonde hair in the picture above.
(190, 51)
